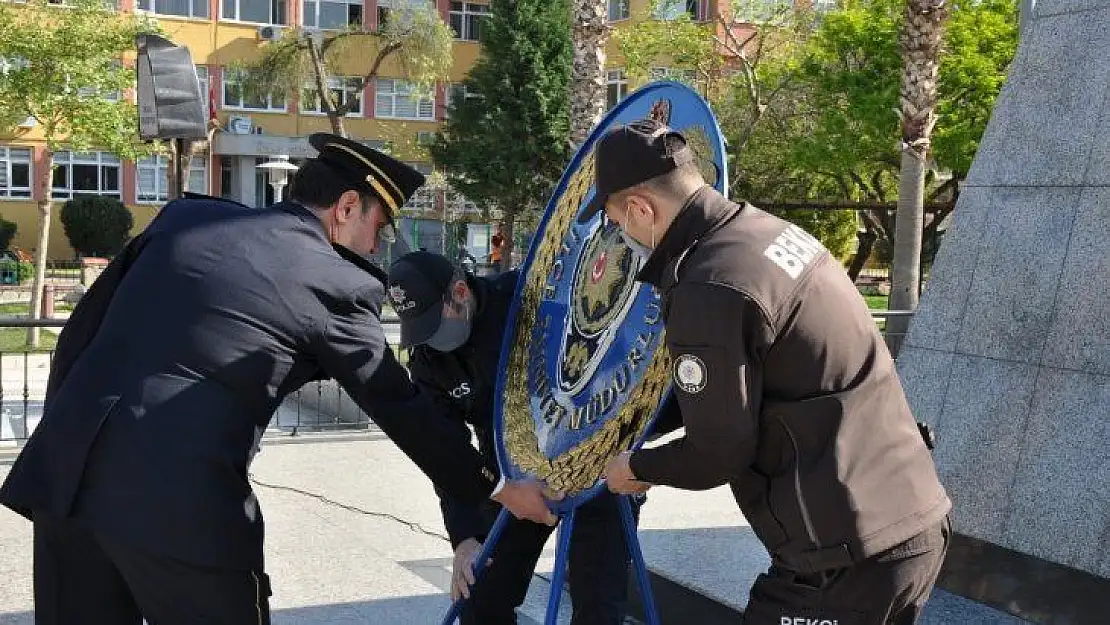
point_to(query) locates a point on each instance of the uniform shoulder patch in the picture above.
(690, 373)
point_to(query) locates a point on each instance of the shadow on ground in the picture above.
(415, 610)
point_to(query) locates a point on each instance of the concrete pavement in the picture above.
(354, 536)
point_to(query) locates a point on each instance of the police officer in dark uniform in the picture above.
(454, 322)
(786, 390)
(172, 366)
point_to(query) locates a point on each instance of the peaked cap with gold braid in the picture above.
(385, 177)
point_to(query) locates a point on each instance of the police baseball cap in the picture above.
(418, 283)
(630, 155)
(371, 171)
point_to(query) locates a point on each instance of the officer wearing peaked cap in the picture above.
(171, 367)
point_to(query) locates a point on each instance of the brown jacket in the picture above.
(787, 390)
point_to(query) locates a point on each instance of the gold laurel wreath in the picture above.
(581, 466)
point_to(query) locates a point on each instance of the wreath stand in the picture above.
(562, 553)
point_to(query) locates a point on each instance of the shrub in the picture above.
(96, 226)
(7, 233)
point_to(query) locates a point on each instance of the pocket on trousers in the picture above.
(777, 599)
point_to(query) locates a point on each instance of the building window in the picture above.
(89, 173)
(332, 14)
(618, 10)
(467, 19)
(616, 87)
(386, 8)
(343, 90)
(15, 173)
(202, 78)
(183, 8)
(237, 97)
(673, 9)
(255, 11)
(456, 91)
(398, 99)
(152, 178)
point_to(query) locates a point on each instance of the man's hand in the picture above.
(619, 477)
(524, 498)
(462, 569)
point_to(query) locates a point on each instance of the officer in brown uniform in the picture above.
(787, 393)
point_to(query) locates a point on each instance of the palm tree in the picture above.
(590, 32)
(921, 40)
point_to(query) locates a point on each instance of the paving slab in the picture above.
(354, 535)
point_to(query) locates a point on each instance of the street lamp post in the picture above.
(277, 172)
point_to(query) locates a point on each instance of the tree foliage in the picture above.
(808, 102)
(504, 144)
(62, 65)
(302, 61)
(96, 225)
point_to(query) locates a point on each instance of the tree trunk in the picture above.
(590, 31)
(178, 167)
(507, 247)
(921, 39)
(863, 252)
(337, 126)
(320, 74)
(41, 250)
(909, 223)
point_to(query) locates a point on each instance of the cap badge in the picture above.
(397, 294)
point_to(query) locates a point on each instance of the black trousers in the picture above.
(82, 577)
(890, 588)
(598, 568)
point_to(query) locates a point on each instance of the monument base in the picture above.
(980, 583)
(1023, 585)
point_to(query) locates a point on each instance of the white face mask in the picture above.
(387, 234)
(637, 248)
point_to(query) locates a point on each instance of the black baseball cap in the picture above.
(373, 172)
(418, 283)
(630, 155)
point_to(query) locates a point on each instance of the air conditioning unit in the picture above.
(269, 32)
(239, 125)
(425, 137)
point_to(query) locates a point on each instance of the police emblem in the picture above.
(689, 373)
(584, 366)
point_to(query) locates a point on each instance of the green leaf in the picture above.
(62, 62)
(507, 144)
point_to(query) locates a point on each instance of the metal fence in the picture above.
(317, 407)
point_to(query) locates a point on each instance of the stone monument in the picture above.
(1008, 357)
